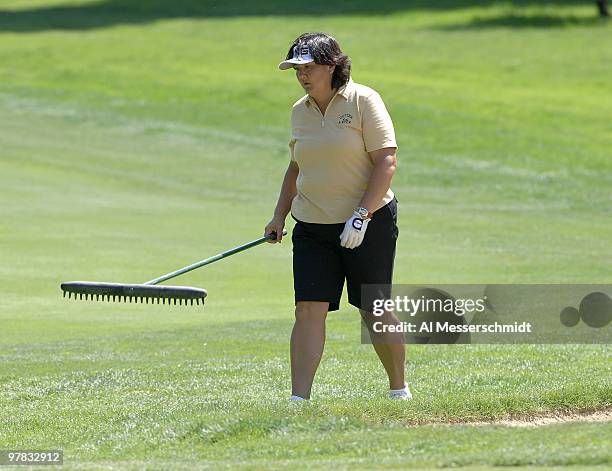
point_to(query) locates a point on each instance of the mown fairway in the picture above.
(137, 139)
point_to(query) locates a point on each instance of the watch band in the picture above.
(364, 212)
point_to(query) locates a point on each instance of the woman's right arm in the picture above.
(283, 206)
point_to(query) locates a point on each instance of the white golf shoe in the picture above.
(401, 394)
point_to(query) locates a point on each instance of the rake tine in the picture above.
(133, 293)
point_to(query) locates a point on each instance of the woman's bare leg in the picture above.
(389, 347)
(307, 342)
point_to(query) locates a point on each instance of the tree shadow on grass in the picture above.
(517, 20)
(105, 13)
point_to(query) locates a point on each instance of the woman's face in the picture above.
(314, 78)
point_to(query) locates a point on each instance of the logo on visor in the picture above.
(301, 52)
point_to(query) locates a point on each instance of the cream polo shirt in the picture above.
(331, 151)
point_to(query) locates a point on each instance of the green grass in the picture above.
(134, 142)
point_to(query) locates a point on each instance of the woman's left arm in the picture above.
(385, 163)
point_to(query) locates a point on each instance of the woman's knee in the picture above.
(311, 311)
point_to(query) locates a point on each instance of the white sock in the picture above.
(296, 398)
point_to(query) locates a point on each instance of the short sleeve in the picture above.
(292, 147)
(377, 126)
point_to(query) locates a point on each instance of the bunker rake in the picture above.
(150, 292)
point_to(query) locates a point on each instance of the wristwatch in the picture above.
(364, 213)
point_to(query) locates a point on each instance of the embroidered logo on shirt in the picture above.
(346, 118)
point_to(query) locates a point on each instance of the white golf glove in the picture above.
(354, 231)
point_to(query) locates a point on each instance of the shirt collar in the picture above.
(347, 89)
(344, 91)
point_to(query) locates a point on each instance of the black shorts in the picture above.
(321, 264)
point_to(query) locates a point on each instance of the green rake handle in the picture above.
(214, 258)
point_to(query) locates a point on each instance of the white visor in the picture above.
(301, 55)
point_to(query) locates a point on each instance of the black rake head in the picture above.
(133, 293)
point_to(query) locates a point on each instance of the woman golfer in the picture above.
(337, 188)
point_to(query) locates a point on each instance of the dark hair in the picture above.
(326, 50)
